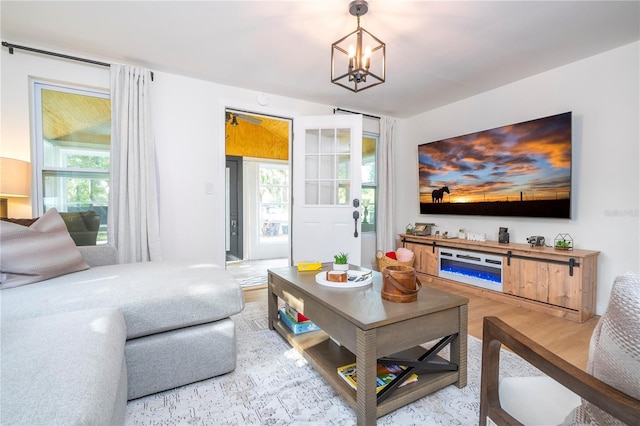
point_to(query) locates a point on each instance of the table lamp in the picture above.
(15, 181)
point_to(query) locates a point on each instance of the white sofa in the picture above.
(76, 347)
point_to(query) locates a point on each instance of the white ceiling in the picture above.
(437, 51)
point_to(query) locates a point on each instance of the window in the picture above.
(327, 167)
(72, 146)
(273, 193)
(369, 181)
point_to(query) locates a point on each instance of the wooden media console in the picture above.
(557, 282)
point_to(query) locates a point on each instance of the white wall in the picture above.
(188, 124)
(188, 119)
(603, 94)
(189, 130)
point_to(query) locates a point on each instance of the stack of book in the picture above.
(385, 373)
(296, 321)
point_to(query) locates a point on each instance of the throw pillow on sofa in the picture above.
(39, 252)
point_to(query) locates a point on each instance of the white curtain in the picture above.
(133, 200)
(385, 234)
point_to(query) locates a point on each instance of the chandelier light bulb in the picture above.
(352, 54)
(367, 57)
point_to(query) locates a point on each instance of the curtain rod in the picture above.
(354, 112)
(11, 46)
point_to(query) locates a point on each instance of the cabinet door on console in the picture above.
(526, 279)
(564, 289)
(542, 281)
(426, 259)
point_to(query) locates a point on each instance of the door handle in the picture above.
(356, 215)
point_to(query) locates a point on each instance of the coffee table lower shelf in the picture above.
(325, 356)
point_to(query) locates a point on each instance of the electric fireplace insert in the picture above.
(478, 269)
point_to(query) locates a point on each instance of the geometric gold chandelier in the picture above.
(358, 59)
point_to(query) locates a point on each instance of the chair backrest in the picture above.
(19, 221)
(614, 352)
(83, 226)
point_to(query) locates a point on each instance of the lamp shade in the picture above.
(15, 178)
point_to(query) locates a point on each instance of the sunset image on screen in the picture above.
(507, 171)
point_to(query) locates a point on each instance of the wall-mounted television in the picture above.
(522, 169)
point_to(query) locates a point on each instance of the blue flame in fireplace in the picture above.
(479, 272)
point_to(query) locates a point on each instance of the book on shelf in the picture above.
(295, 314)
(385, 375)
(295, 326)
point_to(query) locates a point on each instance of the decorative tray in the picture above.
(355, 278)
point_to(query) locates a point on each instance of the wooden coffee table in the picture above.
(369, 329)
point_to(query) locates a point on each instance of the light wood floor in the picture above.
(567, 339)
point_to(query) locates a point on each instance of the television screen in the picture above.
(521, 169)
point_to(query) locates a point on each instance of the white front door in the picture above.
(327, 161)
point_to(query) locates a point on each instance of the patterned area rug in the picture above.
(273, 385)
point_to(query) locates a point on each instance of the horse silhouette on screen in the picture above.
(438, 194)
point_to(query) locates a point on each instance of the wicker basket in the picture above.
(384, 261)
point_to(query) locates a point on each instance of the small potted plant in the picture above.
(341, 262)
(563, 242)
